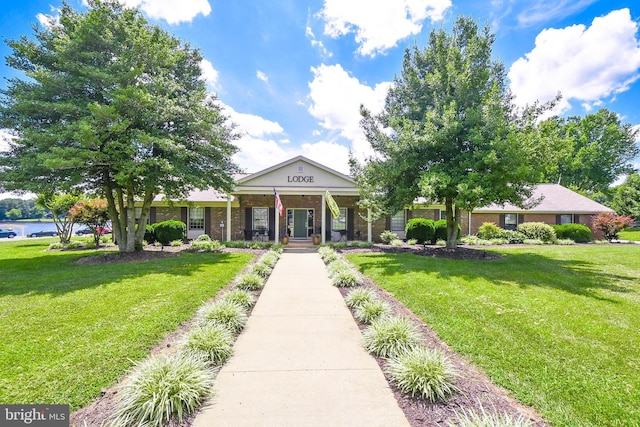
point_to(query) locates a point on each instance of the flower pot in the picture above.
(285, 240)
(315, 239)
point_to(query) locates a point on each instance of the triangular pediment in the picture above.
(297, 175)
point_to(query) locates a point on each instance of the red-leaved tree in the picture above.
(610, 224)
(94, 214)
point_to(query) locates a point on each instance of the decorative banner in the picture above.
(333, 206)
(279, 206)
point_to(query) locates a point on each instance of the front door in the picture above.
(300, 223)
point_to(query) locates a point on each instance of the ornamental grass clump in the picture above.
(423, 373)
(261, 269)
(163, 388)
(328, 254)
(226, 313)
(370, 311)
(240, 296)
(343, 275)
(483, 419)
(270, 258)
(391, 337)
(214, 342)
(249, 282)
(359, 296)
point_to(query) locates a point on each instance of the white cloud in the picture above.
(317, 43)
(585, 64)
(546, 10)
(262, 76)
(209, 74)
(331, 154)
(172, 11)
(336, 98)
(379, 24)
(254, 126)
(257, 154)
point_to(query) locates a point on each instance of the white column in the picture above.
(323, 214)
(276, 233)
(228, 218)
(369, 226)
(469, 223)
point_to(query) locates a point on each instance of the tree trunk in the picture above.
(453, 217)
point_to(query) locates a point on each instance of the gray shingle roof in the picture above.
(555, 199)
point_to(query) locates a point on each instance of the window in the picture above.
(196, 218)
(339, 223)
(260, 218)
(398, 221)
(443, 215)
(566, 219)
(510, 221)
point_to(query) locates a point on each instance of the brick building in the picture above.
(249, 212)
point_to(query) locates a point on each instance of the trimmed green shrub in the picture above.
(226, 313)
(206, 245)
(512, 236)
(441, 231)
(423, 373)
(213, 341)
(579, 233)
(162, 388)
(370, 311)
(387, 236)
(391, 337)
(150, 234)
(167, 231)
(538, 231)
(240, 296)
(359, 296)
(203, 238)
(249, 282)
(176, 243)
(489, 230)
(412, 242)
(421, 229)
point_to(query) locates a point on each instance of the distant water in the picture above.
(30, 227)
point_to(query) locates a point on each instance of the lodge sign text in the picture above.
(300, 178)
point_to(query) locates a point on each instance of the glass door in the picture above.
(300, 223)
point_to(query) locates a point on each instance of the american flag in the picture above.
(279, 206)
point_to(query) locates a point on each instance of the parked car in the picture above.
(43, 233)
(5, 232)
(87, 230)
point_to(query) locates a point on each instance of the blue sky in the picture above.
(292, 74)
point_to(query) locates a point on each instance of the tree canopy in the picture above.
(589, 153)
(626, 199)
(449, 131)
(115, 107)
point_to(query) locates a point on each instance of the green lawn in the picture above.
(630, 234)
(559, 326)
(69, 330)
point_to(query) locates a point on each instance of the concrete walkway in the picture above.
(300, 361)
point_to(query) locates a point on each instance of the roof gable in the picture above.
(295, 175)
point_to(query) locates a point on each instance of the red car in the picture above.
(87, 230)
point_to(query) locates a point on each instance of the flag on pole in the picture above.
(279, 206)
(333, 206)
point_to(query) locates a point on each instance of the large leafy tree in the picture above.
(591, 152)
(449, 131)
(626, 199)
(114, 107)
